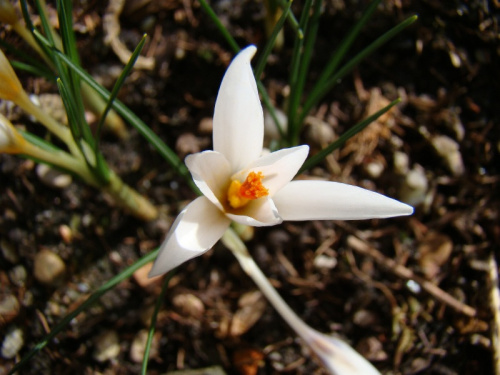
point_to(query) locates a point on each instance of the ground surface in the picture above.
(445, 69)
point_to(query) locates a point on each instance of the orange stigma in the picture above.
(239, 194)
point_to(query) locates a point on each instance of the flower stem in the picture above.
(238, 248)
(337, 356)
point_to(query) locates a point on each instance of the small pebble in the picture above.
(9, 251)
(189, 305)
(107, 346)
(139, 344)
(414, 188)
(206, 125)
(374, 169)
(9, 308)
(325, 262)
(401, 163)
(49, 268)
(449, 151)
(12, 343)
(18, 275)
(270, 130)
(52, 177)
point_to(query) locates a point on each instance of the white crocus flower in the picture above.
(242, 185)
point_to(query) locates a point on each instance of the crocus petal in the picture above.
(324, 200)
(238, 119)
(278, 167)
(259, 213)
(197, 228)
(211, 172)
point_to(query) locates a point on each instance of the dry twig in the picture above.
(405, 273)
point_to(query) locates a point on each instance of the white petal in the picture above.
(197, 228)
(324, 200)
(211, 173)
(259, 213)
(238, 118)
(278, 167)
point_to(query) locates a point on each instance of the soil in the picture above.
(382, 285)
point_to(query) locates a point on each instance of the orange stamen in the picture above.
(239, 194)
(252, 188)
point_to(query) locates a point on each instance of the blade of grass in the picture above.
(103, 289)
(37, 67)
(292, 21)
(298, 43)
(166, 152)
(346, 43)
(152, 324)
(70, 79)
(312, 161)
(39, 142)
(316, 95)
(35, 70)
(225, 33)
(297, 89)
(119, 83)
(261, 62)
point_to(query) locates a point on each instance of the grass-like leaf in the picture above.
(261, 63)
(152, 325)
(225, 33)
(346, 43)
(166, 152)
(297, 88)
(316, 95)
(312, 161)
(119, 83)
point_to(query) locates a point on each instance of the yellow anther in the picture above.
(239, 194)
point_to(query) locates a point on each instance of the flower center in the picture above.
(239, 194)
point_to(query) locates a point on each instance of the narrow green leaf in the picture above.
(346, 43)
(312, 161)
(225, 33)
(261, 63)
(71, 111)
(152, 324)
(119, 83)
(35, 70)
(316, 95)
(292, 21)
(94, 297)
(129, 116)
(39, 142)
(297, 90)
